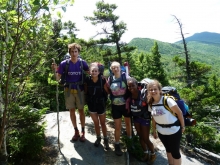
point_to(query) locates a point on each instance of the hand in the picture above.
(183, 129)
(54, 66)
(155, 134)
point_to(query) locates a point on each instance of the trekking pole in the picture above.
(57, 101)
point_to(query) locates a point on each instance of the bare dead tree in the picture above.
(185, 50)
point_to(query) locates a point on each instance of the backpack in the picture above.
(171, 92)
(144, 113)
(101, 68)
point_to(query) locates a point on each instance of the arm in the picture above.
(154, 128)
(54, 68)
(177, 110)
(106, 88)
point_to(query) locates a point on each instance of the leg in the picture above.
(145, 132)
(82, 117)
(117, 115)
(128, 126)
(170, 158)
(73, 117)
(103, 125)
(142, 142)
(117, 129)
(80, 102)
(73, 120)
(102, 118)
(95, 119)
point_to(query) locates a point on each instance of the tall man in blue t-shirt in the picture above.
(74, 88)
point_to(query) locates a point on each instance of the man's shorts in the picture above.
(119, 110)
(141, 121)
(73, 100)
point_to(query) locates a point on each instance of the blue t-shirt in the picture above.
(74, 73)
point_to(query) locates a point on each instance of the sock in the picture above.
(146, 152)
(76, 129)
(105, 137)
(116, 142)
(83, 129)
(152, 153)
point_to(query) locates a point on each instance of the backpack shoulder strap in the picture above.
(67, 66)
(166, 104)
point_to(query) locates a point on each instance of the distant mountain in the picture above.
(204, 37)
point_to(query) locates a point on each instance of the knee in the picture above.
(102, 124)
(81, 112)
(176, 155)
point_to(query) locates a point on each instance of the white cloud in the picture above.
(151, 18)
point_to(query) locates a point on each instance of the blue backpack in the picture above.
(171, 92)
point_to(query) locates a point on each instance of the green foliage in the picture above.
(133, 145)
(102, 16)
(25, 134)
(201, 52)
(204, 136)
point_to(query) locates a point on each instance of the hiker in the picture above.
(141, 118)
(119, 93)
(74, 88)
(163, 121)
(96, 92)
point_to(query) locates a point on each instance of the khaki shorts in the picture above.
(73, 100)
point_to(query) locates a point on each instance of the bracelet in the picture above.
(183, 127)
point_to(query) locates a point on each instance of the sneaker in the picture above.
(97, 142)
(106, 145)
(151, 159)
(145, 158)
(82, 137)
(118, 150)
(76, 136)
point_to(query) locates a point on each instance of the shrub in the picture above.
(25, 134)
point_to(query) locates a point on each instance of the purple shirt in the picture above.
(74, 73)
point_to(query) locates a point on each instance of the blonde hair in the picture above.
(93, 65)
(115, 63)
(74, 46)
(150, 99)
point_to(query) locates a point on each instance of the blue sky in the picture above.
(151, 18)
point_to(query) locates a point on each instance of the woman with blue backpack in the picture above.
(141, 118)
(169, 127)
(118, 94)
(96, 96)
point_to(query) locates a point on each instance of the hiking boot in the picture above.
(97, 142)
(76, 136)
(82, 137)
(106, 145)
(118, 150)
(145, 158)
(152, 158)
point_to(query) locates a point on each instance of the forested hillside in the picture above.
(200, 50)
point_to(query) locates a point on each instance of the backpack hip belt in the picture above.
(176, 123)
(79, 91)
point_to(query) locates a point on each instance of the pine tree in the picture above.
(155, 67)
(111, 29)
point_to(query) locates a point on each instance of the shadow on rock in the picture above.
(88, 153)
